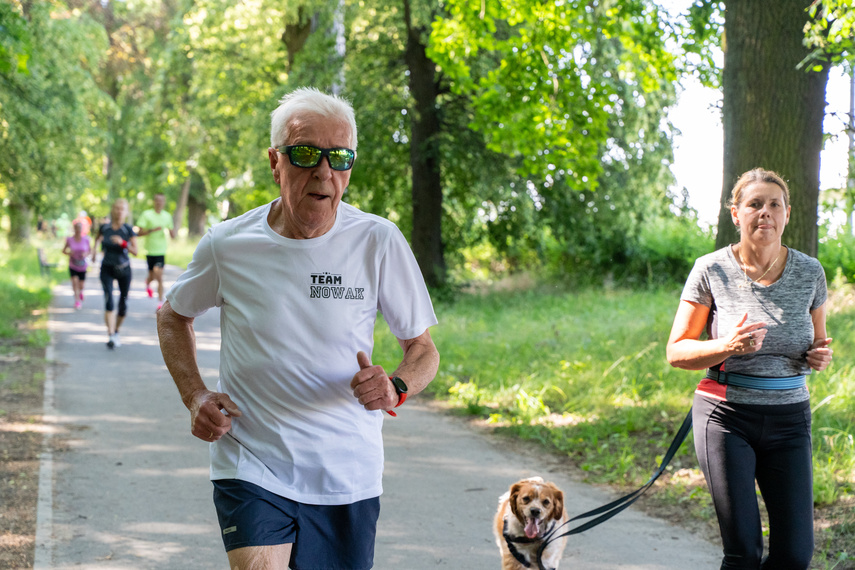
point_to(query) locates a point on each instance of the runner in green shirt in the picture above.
(154, 224)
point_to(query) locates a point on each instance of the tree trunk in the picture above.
(197, 210)
(424, 159)
(850, 177)
(296, 34)
(181, 205)
(20, 220)
(340, 47)
(772, 111)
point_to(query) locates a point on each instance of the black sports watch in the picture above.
(400, 388)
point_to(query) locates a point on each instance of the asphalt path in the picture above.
(127, 485)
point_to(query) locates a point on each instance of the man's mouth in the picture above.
(318, 197)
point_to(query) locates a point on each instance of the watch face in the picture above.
(400, 386)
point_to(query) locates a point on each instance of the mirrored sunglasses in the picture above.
(307, 156)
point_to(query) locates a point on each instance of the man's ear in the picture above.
(273, 157)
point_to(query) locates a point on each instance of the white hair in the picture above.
(309, 100)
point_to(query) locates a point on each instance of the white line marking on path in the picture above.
(44, 510)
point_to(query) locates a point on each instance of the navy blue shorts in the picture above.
(155, 261)
(324, 537)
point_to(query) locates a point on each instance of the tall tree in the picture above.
(772, 110)
(49, 102)
(574, 97)
(425, 156)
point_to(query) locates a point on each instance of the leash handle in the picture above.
(615, 507)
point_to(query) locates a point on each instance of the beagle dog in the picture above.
(528, 513)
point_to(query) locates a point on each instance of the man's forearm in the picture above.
(420, 363)
(178, 346)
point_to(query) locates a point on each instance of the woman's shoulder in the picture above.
(803, 261)
(801, 257)
(713, 258)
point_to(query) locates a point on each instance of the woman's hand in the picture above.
(819, 355)
(745, 339)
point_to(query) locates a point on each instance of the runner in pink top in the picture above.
(77, 248)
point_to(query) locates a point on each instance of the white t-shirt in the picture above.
(293, 315)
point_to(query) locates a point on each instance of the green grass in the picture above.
(23, 292)
(584, 372)
(181, 250)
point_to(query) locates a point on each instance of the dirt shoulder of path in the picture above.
(22, 374)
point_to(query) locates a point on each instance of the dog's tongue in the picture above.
(531, 528)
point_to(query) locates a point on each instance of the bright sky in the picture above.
(698, 150)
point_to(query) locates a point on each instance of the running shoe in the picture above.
(81, 295)
(77, 305)
(116, 341)
(149, 291)
(110, 343)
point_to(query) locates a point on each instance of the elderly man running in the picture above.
(295, 421)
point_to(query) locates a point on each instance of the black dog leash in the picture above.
(608, 511)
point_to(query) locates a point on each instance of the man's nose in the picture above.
(323, 170)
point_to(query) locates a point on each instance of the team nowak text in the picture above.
(328, 286)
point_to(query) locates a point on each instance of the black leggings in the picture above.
(738, 443)
(124, 280)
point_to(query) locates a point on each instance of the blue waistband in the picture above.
(756, 382)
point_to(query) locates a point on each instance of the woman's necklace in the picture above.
(749, 280)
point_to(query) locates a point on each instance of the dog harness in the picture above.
(510, 540)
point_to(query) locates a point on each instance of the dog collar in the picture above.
(510, 540)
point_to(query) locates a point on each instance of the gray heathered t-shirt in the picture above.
(717, 281)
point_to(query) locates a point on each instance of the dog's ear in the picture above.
(512, 500)
(558, 509)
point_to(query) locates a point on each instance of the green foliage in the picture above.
(539, 99)
(700, 33)
(15, 42)
(49, 106)
(830, 32)
(554, 150)
(574, 95)
(837, 255)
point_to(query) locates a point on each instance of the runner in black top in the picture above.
(117, 240)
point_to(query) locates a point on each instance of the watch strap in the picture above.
(402, 397)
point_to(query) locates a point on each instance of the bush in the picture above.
(838, 253)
